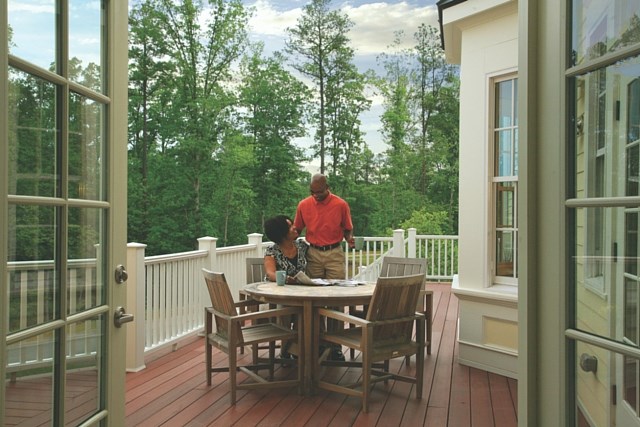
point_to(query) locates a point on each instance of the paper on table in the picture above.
(302, 278)
(306, 280)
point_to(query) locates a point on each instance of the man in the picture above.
(327, 219)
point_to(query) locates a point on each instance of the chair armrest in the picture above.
(339, 315)
(246, 302)
(419, 317)
(266, 314)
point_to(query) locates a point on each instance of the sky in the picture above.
(374, 27)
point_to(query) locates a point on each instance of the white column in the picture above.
(398, 243)
(256, 239)
(135, 305)
(208, 244)
(210, 263)
(411, 242)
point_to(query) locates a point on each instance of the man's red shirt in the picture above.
(325, 221)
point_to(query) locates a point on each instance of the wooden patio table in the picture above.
(309, 297)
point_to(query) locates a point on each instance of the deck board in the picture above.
(172, 391)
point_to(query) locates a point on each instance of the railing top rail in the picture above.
(236, 248)
(436, 236)
(155, 259)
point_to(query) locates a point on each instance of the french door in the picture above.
(63, 140)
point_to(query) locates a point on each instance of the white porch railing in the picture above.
(166, 295)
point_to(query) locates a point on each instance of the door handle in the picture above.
(121, 274)
(120, 317)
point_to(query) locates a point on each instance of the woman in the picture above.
(287, 253)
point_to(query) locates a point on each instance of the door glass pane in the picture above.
(631, 243)
(33, 136)
(600, 125)
(32, 23)
(83, 376)
(85, 43)
(86, 232)
(86, 148)
(631, 311)
(633, 121)
(29, 382)
(602, 277)
(33, 272)
(633, 169)
(630, 372)
(600, 27)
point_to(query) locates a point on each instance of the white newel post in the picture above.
(256, 239)
(398, 243)
(210, 263)
(135, 305)
(411, 243)
(208, 244)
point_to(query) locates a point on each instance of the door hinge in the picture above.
(614, 394)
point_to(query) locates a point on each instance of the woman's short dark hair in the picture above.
(277, 228)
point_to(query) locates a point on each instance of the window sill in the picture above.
(497, 294)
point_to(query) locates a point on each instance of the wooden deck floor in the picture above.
(172, 391)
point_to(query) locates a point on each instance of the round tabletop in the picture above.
(297, 294)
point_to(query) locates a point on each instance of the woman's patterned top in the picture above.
(290, 265)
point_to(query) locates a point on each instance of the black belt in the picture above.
(325, 248)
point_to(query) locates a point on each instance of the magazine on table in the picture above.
(303, 279)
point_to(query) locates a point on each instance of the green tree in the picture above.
(420, 125)
(318, 44)
(275, 104)
(147, 80)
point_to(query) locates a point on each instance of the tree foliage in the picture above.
(214, 125)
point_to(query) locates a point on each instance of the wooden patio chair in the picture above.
(384, 334)
(255, 273)
(255, 269)
(232, 331)
(401, 266)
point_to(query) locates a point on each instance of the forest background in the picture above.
(213, 125)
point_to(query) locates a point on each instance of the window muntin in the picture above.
(505, 180)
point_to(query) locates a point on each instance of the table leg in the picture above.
(308, 347)
(429, 320)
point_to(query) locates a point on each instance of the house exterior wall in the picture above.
(487, 32)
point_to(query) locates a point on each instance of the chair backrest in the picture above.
(400, 266)
(255, 270)
(395, 297)
(221, 299)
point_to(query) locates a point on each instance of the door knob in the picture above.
(120, 317)
(121, 274)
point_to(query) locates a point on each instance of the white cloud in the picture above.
(373, 29)
(32, 7)
(267, 21)
(376, 23)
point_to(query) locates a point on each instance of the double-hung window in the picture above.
(504, 180)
